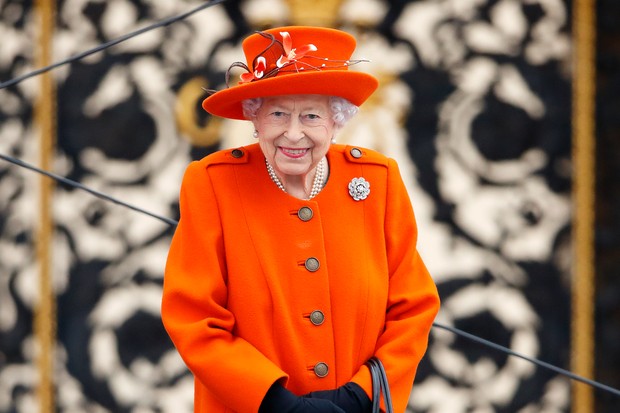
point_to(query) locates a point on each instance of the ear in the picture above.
(254, 122)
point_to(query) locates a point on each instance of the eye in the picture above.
(311, 117)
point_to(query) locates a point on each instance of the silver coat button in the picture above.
(312, 264)
(305, 213)
(356, 153)
(321, 369)
(317, 317)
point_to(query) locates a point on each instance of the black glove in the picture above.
(350, 397)
(280, 400)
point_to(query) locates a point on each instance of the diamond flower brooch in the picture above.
(359, 188)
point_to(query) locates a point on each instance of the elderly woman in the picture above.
(295, 260)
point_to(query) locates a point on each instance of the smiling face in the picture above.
(294, 133)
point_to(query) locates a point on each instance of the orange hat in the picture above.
(290, 61)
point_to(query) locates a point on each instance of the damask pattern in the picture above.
(474, 105)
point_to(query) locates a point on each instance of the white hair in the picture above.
(251, 106)
(342, 110)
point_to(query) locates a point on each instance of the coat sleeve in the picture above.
(194, 303)
(413, 301)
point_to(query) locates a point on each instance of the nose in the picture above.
(294, 130)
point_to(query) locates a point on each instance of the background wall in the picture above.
(474, 103)
(608, 201)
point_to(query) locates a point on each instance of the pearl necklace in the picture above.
(317, 184)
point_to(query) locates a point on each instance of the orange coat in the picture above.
(246, 305)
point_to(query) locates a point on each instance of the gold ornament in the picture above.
(314, 13)
(187, 119)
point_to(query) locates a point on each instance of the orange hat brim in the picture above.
(356, 87)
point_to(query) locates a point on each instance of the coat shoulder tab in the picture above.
(228, 156)
(358, 154)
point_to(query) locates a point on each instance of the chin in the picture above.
(292, 172)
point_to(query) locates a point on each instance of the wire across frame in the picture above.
(172, 222)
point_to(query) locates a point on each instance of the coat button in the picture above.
(312, 264)
(237, 153)
(321, 369)
(305, 213)
(317, 317)
(356, 153)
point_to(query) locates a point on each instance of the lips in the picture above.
(294, 152)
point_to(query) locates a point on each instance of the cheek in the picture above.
(326, 135)
(267, 134)
(323, 144)
(267, 148)
(319, 130)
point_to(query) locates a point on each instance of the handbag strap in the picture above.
(380, 386)
(376, 386)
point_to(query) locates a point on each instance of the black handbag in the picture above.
(380, 386)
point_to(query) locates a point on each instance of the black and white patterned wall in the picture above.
(474, 104)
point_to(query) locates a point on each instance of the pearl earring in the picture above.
(333, 140)
(255, 134)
